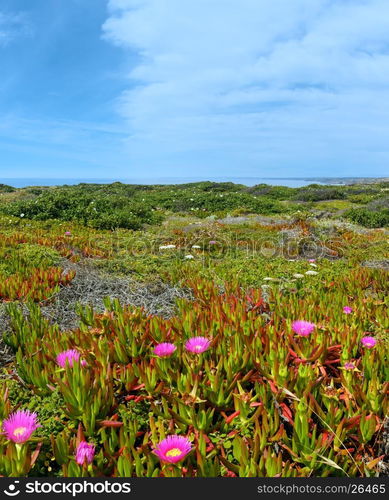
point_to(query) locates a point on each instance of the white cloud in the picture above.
(12, 26)
(243, 85)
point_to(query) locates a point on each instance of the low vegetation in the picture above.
(194, 330)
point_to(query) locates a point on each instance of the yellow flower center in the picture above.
(19, 431)
(174, 452)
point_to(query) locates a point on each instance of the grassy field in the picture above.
(94, 278)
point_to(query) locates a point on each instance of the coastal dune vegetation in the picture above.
(194, 330)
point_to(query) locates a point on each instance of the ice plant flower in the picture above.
(303, 328)
(347, 310)
(349, 366)
(164, 349)
(368, 342)
(70, 356)
(173, 449)
(311, 261)
(85, 453)
(197, 344)
(212, 242)
(19, 426)
(68, 233)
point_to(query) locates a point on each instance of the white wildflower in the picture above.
(311, 273)
(167, 247)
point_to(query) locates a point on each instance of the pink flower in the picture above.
(69, 357)
(303, 328)
(164, 350)
(347, 310)
(197, 344)
(19, 426)
(368, 342)
(311, 261)
(68, 233)
(212, 242)
(85, 453)
(349, 366)
(173, 449)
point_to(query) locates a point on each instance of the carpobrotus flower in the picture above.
(368, 342)
(197, 344)
(349, 366)
(68, 233)
(173, 449)
(85, 453)
(303, 328)
(164, 349)
(347, 310)
(19, 426)
(212, 242)
(70, 356)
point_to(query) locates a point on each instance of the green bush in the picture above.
(4, 188)
(368, 218)
(360, 198)
(320, 193)
(99, 209)
(116, 205)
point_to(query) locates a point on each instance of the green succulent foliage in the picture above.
(261, 401)
(26, 256)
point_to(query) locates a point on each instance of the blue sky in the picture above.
(183, 88)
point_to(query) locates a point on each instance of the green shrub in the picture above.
(368, 218)
(320, 193)
(100, 209)
(360, 198)
(116, 205)
(4, 188)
